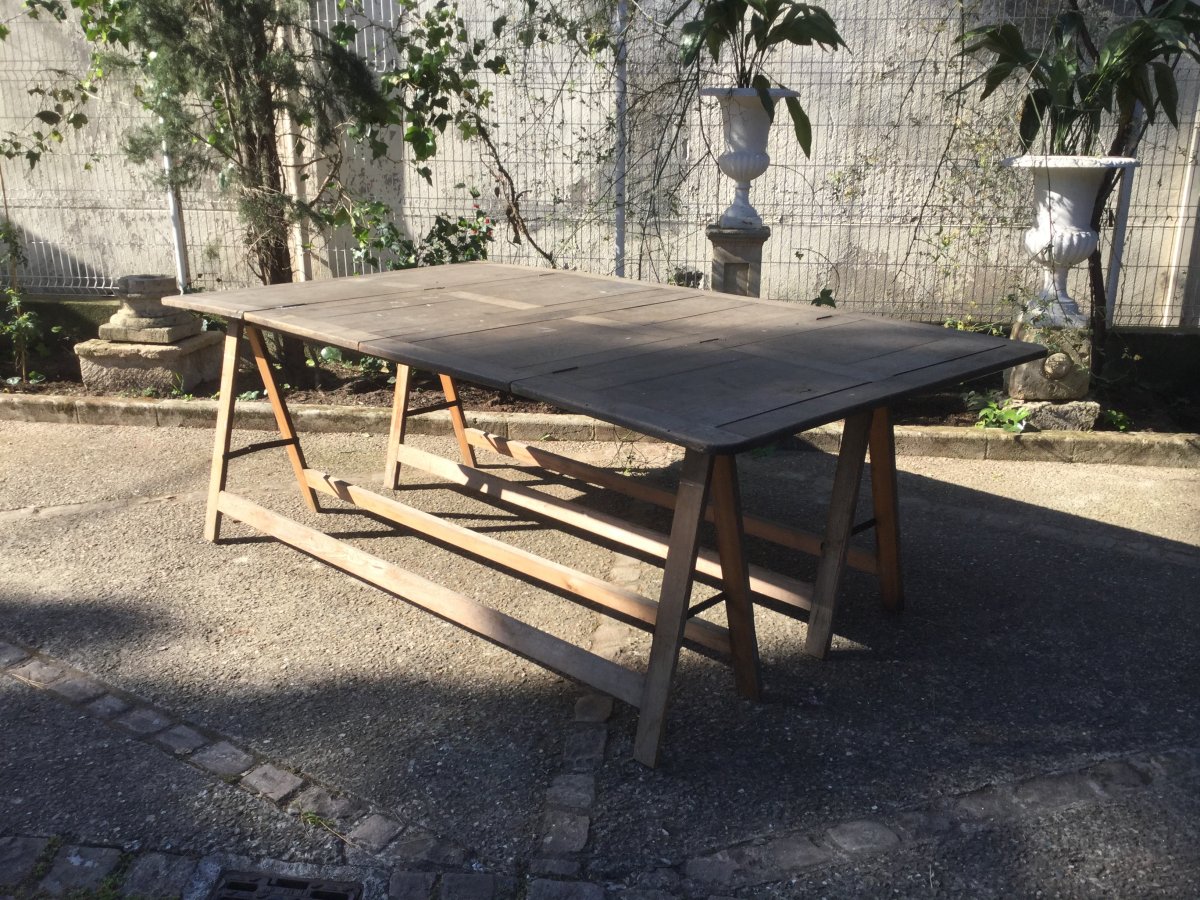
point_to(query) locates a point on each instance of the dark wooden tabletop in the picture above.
(708, 371)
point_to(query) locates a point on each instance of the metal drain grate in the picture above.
(265, 886)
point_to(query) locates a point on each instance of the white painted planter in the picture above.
(746, 126)
(1064, 192)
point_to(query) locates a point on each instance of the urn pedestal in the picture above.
(147, 346)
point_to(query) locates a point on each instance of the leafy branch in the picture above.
(747, 31)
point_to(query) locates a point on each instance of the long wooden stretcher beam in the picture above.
(783, 535)
(789, 591)
(495, 626)
(621, 600)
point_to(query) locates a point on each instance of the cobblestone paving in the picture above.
(395, 860)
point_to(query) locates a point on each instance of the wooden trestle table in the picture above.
(714, 373)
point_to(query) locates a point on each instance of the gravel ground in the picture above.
(1051, 622)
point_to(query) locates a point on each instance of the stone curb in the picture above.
(1137, 449)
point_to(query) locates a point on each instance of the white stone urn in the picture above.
(1064, 194)
(746, 126)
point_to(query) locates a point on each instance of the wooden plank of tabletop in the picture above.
(234, 303)
(565, 287)
(750, 321)
(689, 407)
(539, 342)
(730, 386)
(494, 374)
(414, 314)
(298, 294)
(671, 306)
(683, 354)
(762, 427)
(316, 330)
(481, 317)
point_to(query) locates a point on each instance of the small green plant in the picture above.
(25, 334)
(21, 327)
(996, 329)
(974, 401)
(46, 858)
(381, 243)
(372, 365)
(366, 365)
(748, 30)
(177, 391)
(316, 820)
(824, 298)
(249, 395)
(1116, 420)
(1003, 415)
(308, 817)
(1092, 73)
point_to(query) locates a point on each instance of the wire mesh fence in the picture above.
(902, 209)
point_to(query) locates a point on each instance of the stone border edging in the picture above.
(356, 822)
(780, 856)
(1137, 449)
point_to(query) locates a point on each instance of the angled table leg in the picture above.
(838, 524)
(735, 577)
(457, 419)
(220, 461)
(673, 603)
(886, 501)
(391, 469)
(283, 418)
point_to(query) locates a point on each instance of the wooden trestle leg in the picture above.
(458, 420)
(885, 497)
(838, 525)
(673, 604)
(283, 418)
(391, 469)
(224, 433)
(735, 577)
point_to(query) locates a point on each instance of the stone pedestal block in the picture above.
(1071, 415)
(142, 319)
(737, 258)
(1063, 375)
(114, 366)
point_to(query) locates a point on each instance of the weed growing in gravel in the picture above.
(315, 820)
(42, 866)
